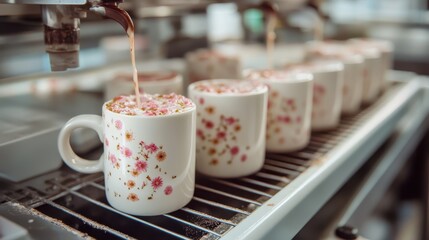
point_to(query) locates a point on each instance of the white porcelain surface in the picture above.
(353, 87)
(212, 66)
(328, 81)
(353, 70)
(372, 80)
(387, 58)
(148, 162)
(374, 69)
(385, 49)
(327, 99)
(230, 132)
(289, 112)
(122, 86)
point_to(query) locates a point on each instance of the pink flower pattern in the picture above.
(319, 93)
(118, 124)
(141, 166)
(168, 190)
(151, 148)
(235, 150)
(137, 163)
(112, 158)
(127, 152)
(218, 135)
(157, 183)
(282, 114)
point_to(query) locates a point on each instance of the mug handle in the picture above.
(72, 160)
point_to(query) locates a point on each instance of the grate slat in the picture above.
(193, 225)
(256, 182)
(227, 194)
(242, 187)
(280, 170)
(200, 214)
(220, 205)
(289, 159)
(127, 215)
(285, 165)
(89, 221)
(273, 177)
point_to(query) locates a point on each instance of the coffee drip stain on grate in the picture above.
(78, 201)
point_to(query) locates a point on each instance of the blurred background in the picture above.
(167, 29)
(195, 24)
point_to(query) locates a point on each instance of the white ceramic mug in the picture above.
(148, 161)
(353, 70)
(230, 127)
(327, 91)
(289, 108)
(206, 64)
(386, 49)
(149, 82)
(373, 73)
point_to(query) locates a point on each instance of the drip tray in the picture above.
(79, 205)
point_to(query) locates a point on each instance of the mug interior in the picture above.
(190, 108)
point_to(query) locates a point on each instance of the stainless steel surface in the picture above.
(291, 186)
(393, 158)
(29, 129)
(377, 188)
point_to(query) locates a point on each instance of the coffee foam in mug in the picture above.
(151, 105)
(229, 86)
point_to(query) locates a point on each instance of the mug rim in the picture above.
(190, 110)
(213, 54)
(292, 78)
(329, 66)
(382, 45)
(263, 90)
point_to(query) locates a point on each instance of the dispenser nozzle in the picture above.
(61, 24)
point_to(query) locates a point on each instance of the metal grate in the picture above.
(79, 202)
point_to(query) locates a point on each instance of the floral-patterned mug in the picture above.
(149, 152)
(374, 70)
(231, 119)
(353, 70)
(386, 49)
(327, 91)
(205, 64)
(289, 108)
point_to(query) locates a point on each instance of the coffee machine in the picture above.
(61, 20)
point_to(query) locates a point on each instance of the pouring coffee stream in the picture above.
(319, 28)
(112, 11)
(271, 12)
(270, 38)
